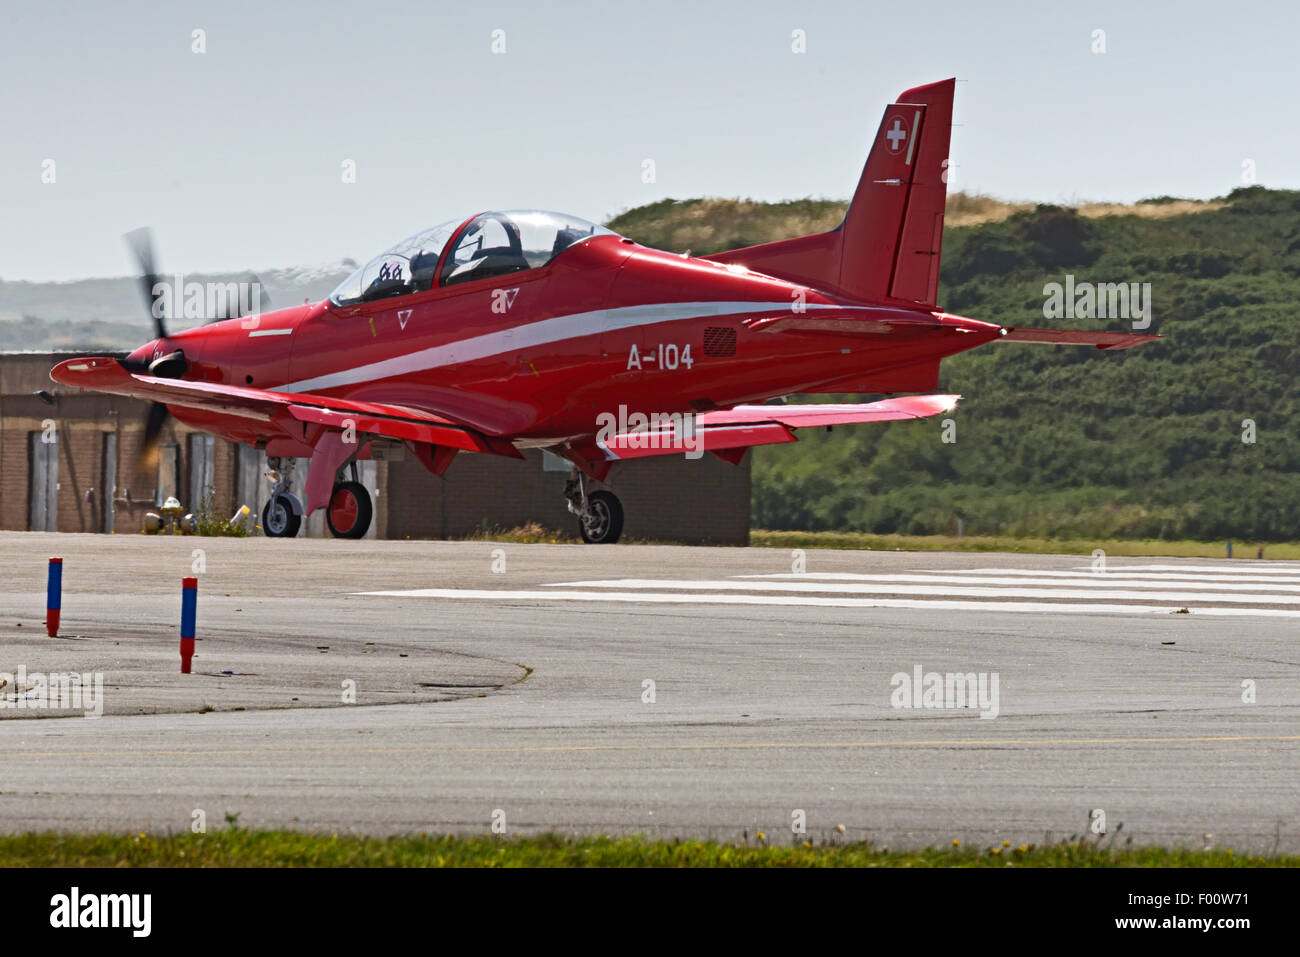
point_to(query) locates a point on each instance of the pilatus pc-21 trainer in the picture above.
(509, 330)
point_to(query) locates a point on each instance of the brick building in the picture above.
(74, 467)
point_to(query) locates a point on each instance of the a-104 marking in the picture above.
(663, 355)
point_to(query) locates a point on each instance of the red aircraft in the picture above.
(513, 330)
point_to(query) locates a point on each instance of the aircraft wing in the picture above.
(728, 432)
(283, 412)
(299, 424)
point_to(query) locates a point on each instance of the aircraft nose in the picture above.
(250, 351)
(166, 358)
(142, 356)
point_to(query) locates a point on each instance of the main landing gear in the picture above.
(600, 514)
(350, 510)
(348, 515)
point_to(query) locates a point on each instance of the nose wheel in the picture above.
(281, 516)
(600, 514)
(282, 513)
(350, 510)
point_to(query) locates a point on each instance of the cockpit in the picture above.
(491, 244)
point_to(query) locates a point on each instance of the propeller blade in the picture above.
(141, 243)
(153, 427)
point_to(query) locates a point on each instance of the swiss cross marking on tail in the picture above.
(896, 135)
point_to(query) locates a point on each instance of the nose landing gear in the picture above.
(600, 514)
(282, 513)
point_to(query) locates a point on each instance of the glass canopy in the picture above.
(491, 244)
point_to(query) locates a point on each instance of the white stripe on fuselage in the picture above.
(533, 334)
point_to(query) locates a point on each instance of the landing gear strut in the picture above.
(600, 514)
(282, 513)
(350, 509)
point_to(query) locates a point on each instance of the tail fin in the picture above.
(894, 227)
(887, 248)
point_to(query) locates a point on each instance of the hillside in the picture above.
(109, 313)
(1057, 441)
(706, 226)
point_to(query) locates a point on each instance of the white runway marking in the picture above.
(862, 588)
(1255, 567)
(1113, 572)
(1126, 571)
(1092, 581)
(495, 594)
(1225, 590)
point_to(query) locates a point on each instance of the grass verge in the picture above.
(1040, 546)
(239, 847)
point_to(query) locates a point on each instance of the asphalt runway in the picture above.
(511, 680)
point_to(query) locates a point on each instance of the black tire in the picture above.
(349, 511)
(606, 522)
(280, 519)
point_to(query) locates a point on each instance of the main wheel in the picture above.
(281, 516)
(604, 522)
(350, 511)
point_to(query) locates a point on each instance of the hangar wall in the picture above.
(664, 499)
(87, 479)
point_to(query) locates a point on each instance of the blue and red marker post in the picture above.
(189, 610)
(54, 597)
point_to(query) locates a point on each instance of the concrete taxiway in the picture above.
(705, 692)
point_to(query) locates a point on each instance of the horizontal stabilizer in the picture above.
(1077, 337)
(833, 413)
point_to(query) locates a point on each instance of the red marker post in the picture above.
(54, 597)
(189, 610)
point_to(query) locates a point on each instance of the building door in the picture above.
(168, 473)
(44, 492)
(252, 488)
(109, 482)
(202, 448)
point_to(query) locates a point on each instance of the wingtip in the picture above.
(76, 372)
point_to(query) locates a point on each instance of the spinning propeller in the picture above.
(171, 365)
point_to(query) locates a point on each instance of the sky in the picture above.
(236, 155)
